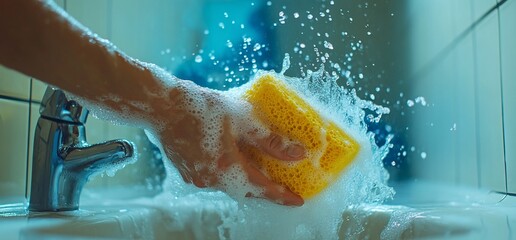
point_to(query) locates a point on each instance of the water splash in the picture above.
(364, 181)
(286, 64)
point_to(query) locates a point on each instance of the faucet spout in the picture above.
(94, 158)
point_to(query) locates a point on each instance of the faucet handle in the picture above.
(56, 105)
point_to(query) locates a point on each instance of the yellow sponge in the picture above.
(329, 148)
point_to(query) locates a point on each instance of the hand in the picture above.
(203, 134)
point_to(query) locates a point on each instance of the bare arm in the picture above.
(41, 41)
(38, 39)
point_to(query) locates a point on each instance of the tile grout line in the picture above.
(447, 49)
(28, 143)
(17, 99)
(502, 102)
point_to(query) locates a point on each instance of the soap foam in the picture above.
(364, 181)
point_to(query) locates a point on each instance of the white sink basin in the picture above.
(113, 220)
(195, 218)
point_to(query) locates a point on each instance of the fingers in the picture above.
(271, 190)
(274, 145)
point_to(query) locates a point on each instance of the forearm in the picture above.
(44, 43)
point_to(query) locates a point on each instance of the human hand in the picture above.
(203, 134)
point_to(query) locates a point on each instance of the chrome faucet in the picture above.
(62, 159)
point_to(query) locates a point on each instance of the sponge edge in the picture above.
(329, 148)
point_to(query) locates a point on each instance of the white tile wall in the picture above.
(38, 89)
(430, 126)
(461, 131)
(13, 148)
(433, 26)
(508, 51)
(446, 130)
(154, 29)
(489, 105)
(34, 116)
(61, 3)
(443, 74)
(481, 7)
(13, 84)
(465, 115)
(94, 14)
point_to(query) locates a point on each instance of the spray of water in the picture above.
(364, 181)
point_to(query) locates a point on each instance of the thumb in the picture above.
(275, 146)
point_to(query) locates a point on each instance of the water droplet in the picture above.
(296, 15)
(286, 64)
(198, 59)
(410, 103)
(310, 16)
(257, 47)
(421, 100)
(388, 128)
(282, 17)
(328, 45)
(423, 155)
